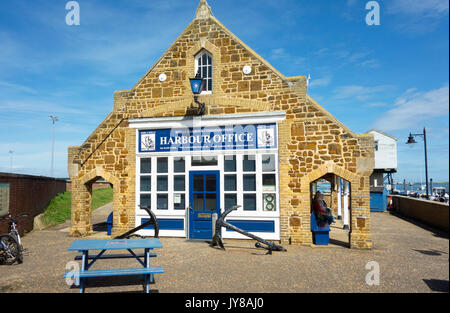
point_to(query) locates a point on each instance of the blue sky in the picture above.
(394, 77)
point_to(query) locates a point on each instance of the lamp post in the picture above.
(412, 141)
(54, 119)
(197, 86)
(11, 160)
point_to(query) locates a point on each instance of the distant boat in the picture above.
(439, 194)
(422, 187)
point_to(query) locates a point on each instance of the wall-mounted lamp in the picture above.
(197, 86)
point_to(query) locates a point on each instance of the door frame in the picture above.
(217, 173)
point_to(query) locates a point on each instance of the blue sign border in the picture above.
(233, 137)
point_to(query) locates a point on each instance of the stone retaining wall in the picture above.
(432, 213)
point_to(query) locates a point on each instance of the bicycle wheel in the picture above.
(10, 250)
(17, 238)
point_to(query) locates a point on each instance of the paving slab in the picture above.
(411, 258)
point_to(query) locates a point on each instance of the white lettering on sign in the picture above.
(199, 139)
(209, 138)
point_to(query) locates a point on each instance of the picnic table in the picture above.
(85, 246)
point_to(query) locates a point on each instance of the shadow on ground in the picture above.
(100, 227)
(339, 243)
(117, 281)
(431, 252)
(437, 284)
(233, 248)
(436, 232)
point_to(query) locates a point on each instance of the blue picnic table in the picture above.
(84, 246)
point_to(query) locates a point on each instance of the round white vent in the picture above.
(247, 69)
(162, 77)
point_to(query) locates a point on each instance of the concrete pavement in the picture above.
(410, 258)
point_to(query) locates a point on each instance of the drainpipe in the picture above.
(346, 194)
(339, 198)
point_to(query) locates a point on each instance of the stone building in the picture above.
(262, 143)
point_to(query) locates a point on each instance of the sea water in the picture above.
(324, 186)
(416, 187)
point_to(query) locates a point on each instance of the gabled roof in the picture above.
(204, 12)
(382, 133)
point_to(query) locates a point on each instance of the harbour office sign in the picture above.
(234, 137)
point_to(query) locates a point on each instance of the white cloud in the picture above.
(361, 93)
(358, 56)
(27, 106)
(345, 57)
(17, 87)
(376, 104)
(279, 53)
(371, 63)
(34, 156)
(418, 17)
(413, 107)
(321, 52)
(320, 82)
(428, 8)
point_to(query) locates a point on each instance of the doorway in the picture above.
(204, 201)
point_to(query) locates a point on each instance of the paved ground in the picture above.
(411, 259)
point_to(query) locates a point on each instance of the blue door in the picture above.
(204, 200)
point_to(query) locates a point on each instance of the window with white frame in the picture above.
(162, 183)
(179, 183)
(250, 181)
(269, 182)
(145, 182)
(204, 66)
(230, 181)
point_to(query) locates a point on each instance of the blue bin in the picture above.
(109, 224)
(321, 235)
(378, 201)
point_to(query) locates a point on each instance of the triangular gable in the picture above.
(381, 133)
(204, 16)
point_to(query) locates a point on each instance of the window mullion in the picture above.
(258, 168)
(154, 184)
(239, 182)
(170, 182)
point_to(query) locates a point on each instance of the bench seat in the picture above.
(147, 272)
(118, 272)
(116, 256)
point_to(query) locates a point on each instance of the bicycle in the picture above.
(11, 249)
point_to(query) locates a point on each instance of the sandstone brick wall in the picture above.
(308, 138)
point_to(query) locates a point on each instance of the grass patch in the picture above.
(59, 209)
(102, 196)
